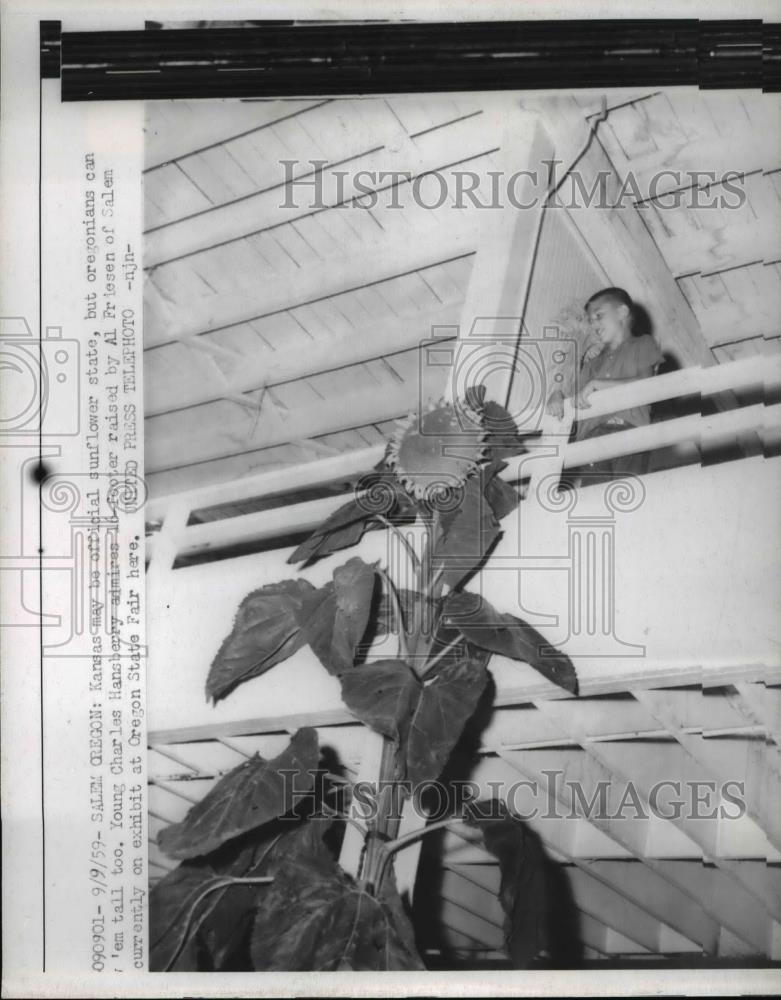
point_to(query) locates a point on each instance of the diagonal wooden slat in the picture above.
(452, 239)
(367, 165)
(189, 131)
(633, 838)
(700, 831)
(224, 430)
(723, 760)
(271, 368)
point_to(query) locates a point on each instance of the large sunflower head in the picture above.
(434, 452)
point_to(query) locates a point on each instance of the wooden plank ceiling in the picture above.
(307, 319)
(726, 259)
(278, 334)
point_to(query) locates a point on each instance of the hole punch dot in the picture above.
(40, 472)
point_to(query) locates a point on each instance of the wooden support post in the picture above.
(506, 249)
(618, 238)
(167, 544)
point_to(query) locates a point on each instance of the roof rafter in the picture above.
(270, 368)
(303, 286)
(627, 251)
(379, 152)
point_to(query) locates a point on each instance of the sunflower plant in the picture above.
(259, 885)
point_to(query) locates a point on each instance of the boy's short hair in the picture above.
(614, 294)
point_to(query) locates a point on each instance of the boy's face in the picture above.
(609, 320)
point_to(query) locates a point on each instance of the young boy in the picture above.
(624, 357)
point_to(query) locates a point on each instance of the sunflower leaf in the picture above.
(376, 494)
(201, 920)
(333, 619)
(443, 706)
(318, 920)
(252, 794)
(382, 695)
(424, 719)
(467, 533)
(507, 635)
(501, 496)
(345, 527)
(265, 632)
(503, 439)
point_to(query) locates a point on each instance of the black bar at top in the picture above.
(51, 33)
(302, 60)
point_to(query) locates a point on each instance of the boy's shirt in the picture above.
(634, 356)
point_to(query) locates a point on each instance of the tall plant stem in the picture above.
(412, 554)
(389, 849)
(394, 596)
(429, 587)
(430, 664)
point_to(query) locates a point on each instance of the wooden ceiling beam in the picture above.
(190, 131)
(696, 131)
(708, 251)
(210, 477)
(176, 441)
(705, 161)
(609, 683)
(311, 284)
(507, 241)
(377, 151)
(306, 474)
(736, 322)
(257, 527)
(620, 242)
(269, 368)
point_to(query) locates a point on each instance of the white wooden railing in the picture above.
(551, 453)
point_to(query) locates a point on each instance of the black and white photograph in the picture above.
(392, 525)
(441, 682)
